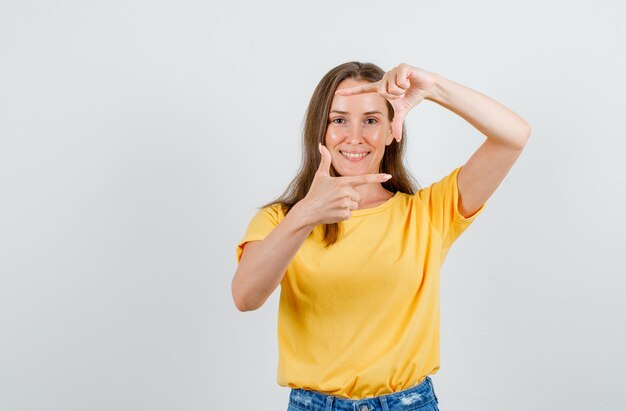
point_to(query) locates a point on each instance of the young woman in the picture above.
(357, 250)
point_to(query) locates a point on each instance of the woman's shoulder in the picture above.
(276, 210)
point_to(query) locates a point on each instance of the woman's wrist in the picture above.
(302, 216)
(436, 93)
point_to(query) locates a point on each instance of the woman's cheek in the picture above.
(332, 137)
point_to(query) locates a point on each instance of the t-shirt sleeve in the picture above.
(262, 223)
(442, 201)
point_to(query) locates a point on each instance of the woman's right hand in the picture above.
(332, 199)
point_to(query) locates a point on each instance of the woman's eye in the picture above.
(340, 120)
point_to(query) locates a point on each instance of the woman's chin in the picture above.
(351, 172)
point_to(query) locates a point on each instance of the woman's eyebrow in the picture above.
(345, 112)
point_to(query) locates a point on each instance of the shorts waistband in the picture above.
(419, 395)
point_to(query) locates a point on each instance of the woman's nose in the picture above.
(355, 134)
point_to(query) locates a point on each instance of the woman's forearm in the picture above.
(496, 122)
(264, 262)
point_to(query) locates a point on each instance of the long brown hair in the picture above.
(315, 124)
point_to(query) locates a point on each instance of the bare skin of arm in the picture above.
(263, 263)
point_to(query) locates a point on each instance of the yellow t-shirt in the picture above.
(361, 318)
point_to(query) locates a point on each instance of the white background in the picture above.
(138, 138)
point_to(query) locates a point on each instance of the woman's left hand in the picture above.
(404, 87)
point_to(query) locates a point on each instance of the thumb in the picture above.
(324, 168)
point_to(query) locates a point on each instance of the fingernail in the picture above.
(388, 176)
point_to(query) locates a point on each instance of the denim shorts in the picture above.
(420, 397)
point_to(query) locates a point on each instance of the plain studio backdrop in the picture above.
(138, 139)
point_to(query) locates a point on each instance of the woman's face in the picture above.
(358, 131)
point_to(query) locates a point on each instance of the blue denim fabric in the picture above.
(421, 397)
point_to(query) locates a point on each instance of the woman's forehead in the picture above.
(359, 103)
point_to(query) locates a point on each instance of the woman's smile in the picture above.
(354, 157)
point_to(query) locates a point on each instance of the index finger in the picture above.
(365, 179)
(364, 88)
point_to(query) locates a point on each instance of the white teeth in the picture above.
(353, 155)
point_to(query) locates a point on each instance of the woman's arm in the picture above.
(506, 132)
(263, 263)
(406, 86)
(499, 124)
